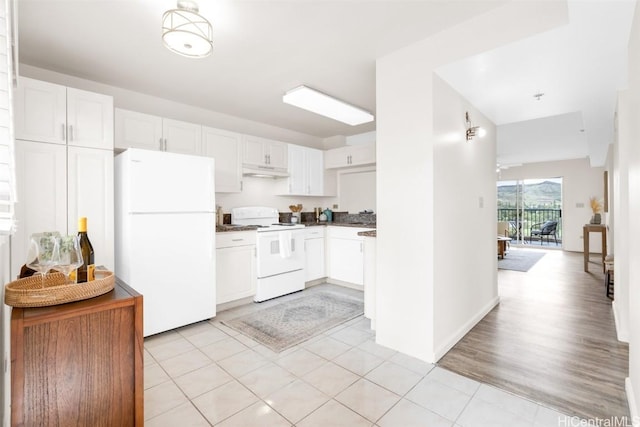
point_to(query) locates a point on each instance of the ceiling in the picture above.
(262, 48)
(578, 68)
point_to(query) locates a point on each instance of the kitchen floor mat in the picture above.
(291, 322)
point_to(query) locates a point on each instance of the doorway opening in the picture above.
(530, 211)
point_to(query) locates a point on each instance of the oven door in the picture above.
(280, 252)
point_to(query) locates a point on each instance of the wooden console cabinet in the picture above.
(79, 364)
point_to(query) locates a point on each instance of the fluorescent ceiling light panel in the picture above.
(319, 103)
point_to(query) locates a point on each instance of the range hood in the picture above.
(264, 172)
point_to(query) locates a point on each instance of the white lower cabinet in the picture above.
(346, 254)
(314, 247)
(235, 265)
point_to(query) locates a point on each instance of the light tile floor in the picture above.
(207, 374)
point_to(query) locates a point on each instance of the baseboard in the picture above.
(315, 282)
(345, 284)
(233, 304)
(621, 331)
(457, 336)
(631, 400)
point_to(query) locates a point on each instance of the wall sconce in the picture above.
(472, 130)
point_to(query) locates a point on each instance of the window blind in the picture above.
(7, 155)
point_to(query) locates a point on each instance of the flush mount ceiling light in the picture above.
(319, 103)
(472, 130)
(186, 32)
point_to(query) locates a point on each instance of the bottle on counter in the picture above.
(86, 272)
(219, 216)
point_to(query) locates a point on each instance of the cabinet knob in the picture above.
(70, 132)
(64, 137)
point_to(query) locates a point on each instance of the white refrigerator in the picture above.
(165, 235)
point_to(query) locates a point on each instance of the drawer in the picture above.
(346, 232)
(230, 239)
(315, 233)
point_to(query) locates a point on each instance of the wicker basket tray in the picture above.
(29, 292)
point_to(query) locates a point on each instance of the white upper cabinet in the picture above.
(226, 148)
(89, 119)
(149, 132)
(349, 156)
(47, 112)
(138, 130)
(181, 137)
(306, 171)
(315, 172)
(264, 153)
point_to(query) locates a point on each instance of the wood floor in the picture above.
(551, 339)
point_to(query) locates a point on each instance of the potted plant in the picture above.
(596, 207)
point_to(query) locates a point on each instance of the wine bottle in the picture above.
(86, 272)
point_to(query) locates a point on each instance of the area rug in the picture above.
(519, 260)
(291, 322)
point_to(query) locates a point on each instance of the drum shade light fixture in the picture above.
(186, 32)
(325, 105)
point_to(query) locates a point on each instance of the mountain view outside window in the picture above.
(527, 204)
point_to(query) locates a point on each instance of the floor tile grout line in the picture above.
(355, 325)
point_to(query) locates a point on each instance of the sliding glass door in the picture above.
(525, 205)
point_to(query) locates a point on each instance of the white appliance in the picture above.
(165, 235)
(279, 251)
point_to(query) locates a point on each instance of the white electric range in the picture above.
(280, 254)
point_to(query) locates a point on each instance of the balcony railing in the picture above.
(520, 222)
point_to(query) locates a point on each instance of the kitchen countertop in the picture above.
(228, 227)
(342, 224)
(370, 233)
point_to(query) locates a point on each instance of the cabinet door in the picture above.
(315, 172)
(235, 273)
(181, 137)
(314, 252)
(253, 153)
(226, 149)
(346, 260)
(336, 158)
(363, 155)
(40, 111)
(297, 170)
(41, 179)
(90, 194)
(277, 154)
(89, 119)
(137, 130)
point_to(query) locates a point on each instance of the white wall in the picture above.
(358, 192)
(620, 216)
(633, 384)
(464, 219)
(405, 143)
(579, 182)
